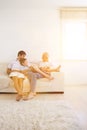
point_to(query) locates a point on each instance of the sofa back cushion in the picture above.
(3, 68)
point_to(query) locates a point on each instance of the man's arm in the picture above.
(25, 72)
(8, 71)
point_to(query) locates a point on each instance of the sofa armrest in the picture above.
(55, 85)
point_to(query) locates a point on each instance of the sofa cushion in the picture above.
(4, 81)
(3, 68)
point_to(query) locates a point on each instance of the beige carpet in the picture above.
(38, 115)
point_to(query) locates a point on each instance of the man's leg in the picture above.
(15, 80)
(17, 87)
(26, 88)
(20, 84)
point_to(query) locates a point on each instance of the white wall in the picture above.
(75, 72)
(35, 31)
(32, 30)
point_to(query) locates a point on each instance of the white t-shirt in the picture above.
(15, 65)
(23, 67)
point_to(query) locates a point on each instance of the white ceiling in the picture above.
(38, 4)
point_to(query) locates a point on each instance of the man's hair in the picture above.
(21, 53)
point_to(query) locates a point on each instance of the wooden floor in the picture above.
(75, 95)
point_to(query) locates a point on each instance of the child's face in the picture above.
(45, 57)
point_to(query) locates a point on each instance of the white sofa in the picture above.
(43, 84)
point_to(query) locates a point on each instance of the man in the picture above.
(13, 70)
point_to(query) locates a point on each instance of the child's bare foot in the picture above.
(51, 78)
(58, 68)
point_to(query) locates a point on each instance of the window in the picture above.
(74, 33)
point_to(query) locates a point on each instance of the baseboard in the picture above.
(37, 92)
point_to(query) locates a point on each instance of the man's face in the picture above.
(25, 63)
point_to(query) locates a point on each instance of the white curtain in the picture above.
(74, 33)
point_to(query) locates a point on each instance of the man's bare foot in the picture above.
(25, 98)
(19, 97)
(58, 68)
